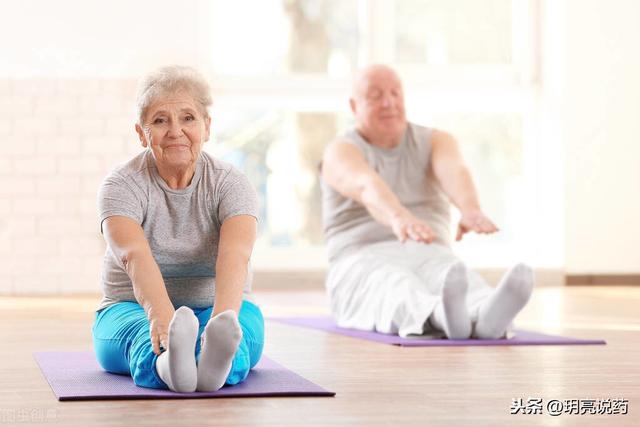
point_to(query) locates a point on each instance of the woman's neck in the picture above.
(177, 179)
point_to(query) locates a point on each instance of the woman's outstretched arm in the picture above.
(237, 237)
(126, 239)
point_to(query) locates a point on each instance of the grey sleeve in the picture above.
(116, 197)
(236, 197)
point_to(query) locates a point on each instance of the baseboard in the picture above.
(314, 279)
(303, 280)
(288, 279)
(544, 277)
(603, 279)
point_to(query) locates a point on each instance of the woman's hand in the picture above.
(476, 221)
(407, 226)
(159, 329)
(126, 239)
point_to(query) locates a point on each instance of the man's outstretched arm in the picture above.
(345, 170)
(455, 179)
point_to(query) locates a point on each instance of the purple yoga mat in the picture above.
(77, 376)
(518, 336)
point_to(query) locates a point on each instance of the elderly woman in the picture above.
(180, 226)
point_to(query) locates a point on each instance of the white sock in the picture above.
(451, 315)
(220, 341)
(501, 307)
(177, 365)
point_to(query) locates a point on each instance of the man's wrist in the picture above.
(399, 213)
(470, 209)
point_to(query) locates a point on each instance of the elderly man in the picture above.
(387, 185)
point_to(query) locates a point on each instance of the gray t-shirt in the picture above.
(406, 169)
(182, 226)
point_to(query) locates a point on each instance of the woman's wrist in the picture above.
(159, 310)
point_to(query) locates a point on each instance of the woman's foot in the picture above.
(177, 365)
(220, 341)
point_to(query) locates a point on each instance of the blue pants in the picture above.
(122, 342)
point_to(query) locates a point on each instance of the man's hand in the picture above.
(475, 221)
(406, 226)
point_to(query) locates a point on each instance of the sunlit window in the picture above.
(468, 67)
(459, 32)
(261, 38)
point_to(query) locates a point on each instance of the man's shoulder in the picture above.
(343, 146)
(422, 134)
(440, 137)
(351, 141)
(349, 136)
(431, 136)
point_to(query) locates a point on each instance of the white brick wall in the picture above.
(58, 139)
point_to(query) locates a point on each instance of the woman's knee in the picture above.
(109, 355)
(252, 323)
(115, 331)
(240, 366)
(250, 347)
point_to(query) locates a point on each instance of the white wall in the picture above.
(58, 139)
(67, 88)
(602, 136)
(117, 38)
(66, 119)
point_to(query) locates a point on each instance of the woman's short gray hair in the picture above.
(168, 80)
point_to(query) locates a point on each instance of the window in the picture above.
(468, 67)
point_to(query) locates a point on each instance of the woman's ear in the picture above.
(141, 135)
(207, 128)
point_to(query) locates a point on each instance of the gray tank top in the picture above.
(406, 169)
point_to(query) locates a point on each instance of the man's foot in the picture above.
(451, 315)
(501, 307)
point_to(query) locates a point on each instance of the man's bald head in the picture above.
(372, 73)
(377, 102)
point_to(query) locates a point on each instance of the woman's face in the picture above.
(175, 128)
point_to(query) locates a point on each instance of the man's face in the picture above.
(378, 104)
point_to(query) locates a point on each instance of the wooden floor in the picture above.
(375, 384)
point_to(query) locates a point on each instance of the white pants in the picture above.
(393, 287)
